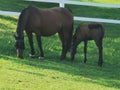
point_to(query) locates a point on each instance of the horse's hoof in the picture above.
(41, 58)
(84, 61)
(71, 60)
(31, 56)
(100, 65)
(62, 58)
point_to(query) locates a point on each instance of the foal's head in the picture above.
(19, 45)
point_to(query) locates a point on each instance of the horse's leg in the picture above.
(99, 45)
(64, 48)
(85, 51)
(30, 38)
(74, 48)
(38, 37)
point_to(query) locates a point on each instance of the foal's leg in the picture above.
(99, 44)
(85, 51)
(38, 37)
(30, 38)
(74, 47)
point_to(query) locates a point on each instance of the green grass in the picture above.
(18, 5)
(53, 74)
(102, 1)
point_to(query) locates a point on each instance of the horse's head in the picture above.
(19, 45)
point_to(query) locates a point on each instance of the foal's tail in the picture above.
(22, 23)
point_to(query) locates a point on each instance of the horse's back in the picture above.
(55, 12)
(96, 29)
(52, 19)
(90, 31)
(82, 31)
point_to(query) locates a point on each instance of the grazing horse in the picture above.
(44, 22)
(85, 32)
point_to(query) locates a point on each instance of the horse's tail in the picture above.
(22, 23)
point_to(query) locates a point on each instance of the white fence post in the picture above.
(61, 4)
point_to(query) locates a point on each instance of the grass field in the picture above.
(53, 74)
(102, 1)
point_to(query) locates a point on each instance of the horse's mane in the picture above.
(21, 23)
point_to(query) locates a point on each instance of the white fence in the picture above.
(9, 13)
(62, 4)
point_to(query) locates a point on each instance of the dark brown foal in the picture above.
(85, 32)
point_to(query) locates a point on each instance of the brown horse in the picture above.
(44, 22)
(85, 32)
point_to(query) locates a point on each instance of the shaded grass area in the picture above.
(53, 73)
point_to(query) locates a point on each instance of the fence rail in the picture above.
(9, 13)
(62, 4)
